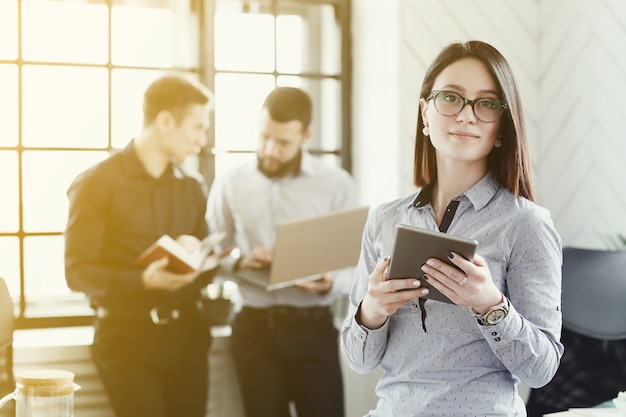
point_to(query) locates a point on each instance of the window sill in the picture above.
(73, 336)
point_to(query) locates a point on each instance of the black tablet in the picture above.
(413, 246)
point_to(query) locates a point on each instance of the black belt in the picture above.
(282, 310)
(157, 315)
(273, 314)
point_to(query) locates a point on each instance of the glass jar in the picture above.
(43, 393)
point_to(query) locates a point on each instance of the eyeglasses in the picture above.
(449, 104)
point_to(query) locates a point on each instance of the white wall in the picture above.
(568, 58)
(376, 126)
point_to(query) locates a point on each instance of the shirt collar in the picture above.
(306, 164)
(479, 195)
(134, 168)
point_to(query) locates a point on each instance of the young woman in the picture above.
(472, 168)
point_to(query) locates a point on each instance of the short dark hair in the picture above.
(509, 163)
(174, 93)
(285, 104)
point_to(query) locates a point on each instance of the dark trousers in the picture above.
(153, 370)
(286, 354)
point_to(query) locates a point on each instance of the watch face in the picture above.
(496, 316)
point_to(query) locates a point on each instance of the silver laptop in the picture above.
(309, 247)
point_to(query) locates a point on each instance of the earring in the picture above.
(498, 142)
(426, 130)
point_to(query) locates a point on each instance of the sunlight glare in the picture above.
(64, 32)
(8, 29)
(8, 107)
(142, 36)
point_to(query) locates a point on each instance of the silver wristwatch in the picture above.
(494, 315)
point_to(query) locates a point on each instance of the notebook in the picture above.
(309, 247)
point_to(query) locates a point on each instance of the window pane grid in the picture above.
(61, 76)
(305, 44)
(106, 119)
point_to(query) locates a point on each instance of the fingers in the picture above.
(189, 242)
(380, 281)
(464, 268)
(210, 262)
(156, 276)
(479, 261)
(469, 287)
(385, 296)
(321, 286)
(170, 281)
(259, 258)
(393, 291)
(444, 273)
(262, 254)
(381, 266)
(160, 263)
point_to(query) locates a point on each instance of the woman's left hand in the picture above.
(470, 287)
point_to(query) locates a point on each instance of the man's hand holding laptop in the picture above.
(261, 258)
(321, 286)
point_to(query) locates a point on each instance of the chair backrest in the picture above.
(594, 292)
(7, 380)
(6, 315)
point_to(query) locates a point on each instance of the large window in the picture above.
(259, 45)
(72, 74)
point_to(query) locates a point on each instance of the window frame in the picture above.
(344, 77)
(205, 70)
(23, 305)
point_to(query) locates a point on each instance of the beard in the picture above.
(273, 168)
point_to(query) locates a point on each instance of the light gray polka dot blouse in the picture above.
(458, 367)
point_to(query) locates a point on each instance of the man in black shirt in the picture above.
(150, 343)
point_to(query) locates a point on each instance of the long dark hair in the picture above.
(510, 163)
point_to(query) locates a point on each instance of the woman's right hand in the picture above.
(385, 296)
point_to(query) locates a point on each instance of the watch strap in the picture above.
(482, 319)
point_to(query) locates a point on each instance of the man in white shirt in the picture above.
(284, 342)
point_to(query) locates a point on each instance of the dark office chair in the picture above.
(593, 367)
(7, 381)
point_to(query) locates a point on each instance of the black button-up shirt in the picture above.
(117, 210)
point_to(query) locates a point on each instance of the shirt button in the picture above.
(494, 333)
(497, 339)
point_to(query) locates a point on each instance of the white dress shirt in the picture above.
(248, 206)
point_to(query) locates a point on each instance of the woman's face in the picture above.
(462, 137)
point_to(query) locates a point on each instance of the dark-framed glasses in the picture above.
(449, 103)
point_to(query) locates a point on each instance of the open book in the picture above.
(181, 259)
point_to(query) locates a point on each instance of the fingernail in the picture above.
(430, 262)
(425, 291)
(425, 277)
(424, 268)
(450, 255)
(386, 259)
(416, 283)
